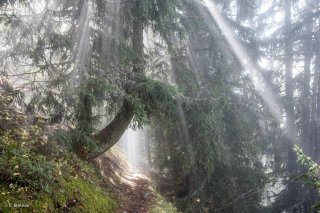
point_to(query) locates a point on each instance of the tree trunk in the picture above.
(289, 104)
(148, 147)
(160, 139)
(306, 99)
(85, 113)
(314, 126)
(289, 108)
(317, 110)
(316, 153)
(309, 193)
(110, 135)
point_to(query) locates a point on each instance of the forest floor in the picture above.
(135, 191)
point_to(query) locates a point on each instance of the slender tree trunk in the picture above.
(148, 147)
(309, 193)
(289, 107)
(85, 113)
(314, 126)
(317, 93)
(289, 104)
(161, 154)
(306, 99)
(317, 110)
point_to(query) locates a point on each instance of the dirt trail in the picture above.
(131, 188)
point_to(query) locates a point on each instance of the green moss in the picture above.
(36, 176)
(22, 200)
(163, 206)
(51, 186)
(86, 196)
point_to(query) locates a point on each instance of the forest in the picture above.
(160, 106)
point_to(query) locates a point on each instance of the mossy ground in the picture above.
(69, 193)
(161, 205)
(42, 175)
(78, 187)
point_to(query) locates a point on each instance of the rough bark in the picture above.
(110, 135)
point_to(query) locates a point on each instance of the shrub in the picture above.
(19, 164)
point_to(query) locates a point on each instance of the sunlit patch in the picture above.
(279, 16)
(39, 6)
(129, 182)
(132, 142)
(111, 180)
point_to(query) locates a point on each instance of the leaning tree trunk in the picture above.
(110, 135)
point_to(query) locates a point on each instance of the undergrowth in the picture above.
(40, 175)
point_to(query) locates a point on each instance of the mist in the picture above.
(178, 106)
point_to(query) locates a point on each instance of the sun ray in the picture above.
(251, 70)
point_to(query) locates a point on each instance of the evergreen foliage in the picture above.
(88, 68)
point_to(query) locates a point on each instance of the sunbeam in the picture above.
(159, 106)
(256, 78)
